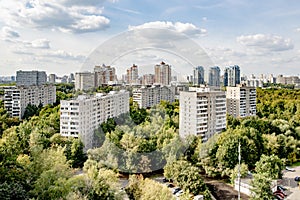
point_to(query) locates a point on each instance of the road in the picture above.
(289, 182)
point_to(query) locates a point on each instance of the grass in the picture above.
(296, 164)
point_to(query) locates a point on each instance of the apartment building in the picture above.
(162, 73)
(198, 75)
(232, 76)
(241, 101)
(202, 112)
(84, 80)
(17, 98)
(148, 79)
(104, 75)
(81, 116)
(132, 75)
(214, 76)
(147, 97)
(28, 78)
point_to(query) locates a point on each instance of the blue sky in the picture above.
(58, 35)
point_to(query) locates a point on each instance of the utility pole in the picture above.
(239, 171)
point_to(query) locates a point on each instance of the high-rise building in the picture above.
(104, 75)
(84, 80)
(202, 112)
(133, 75)
(198, 75)
(17, 98)
(232, 76)
(80, 117)
(162, 74)
(148, 79)
(147, 97)
(28, 78)
(214, 76)
(52, 78)
(241, 101)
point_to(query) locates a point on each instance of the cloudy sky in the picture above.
(59, 35)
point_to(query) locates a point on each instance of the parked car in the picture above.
(290, 169)
(278, 193)
(278, 197)
(281, 191)
(175, 190)
(165, 180)
(281, 187)
(169, 185)
(179, 193)
(297, 178)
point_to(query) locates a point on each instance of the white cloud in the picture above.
(298, 29)
(40, 44)
(9, 33)
(72, 16)
(266, 42)
(185, 28)
(64, 55)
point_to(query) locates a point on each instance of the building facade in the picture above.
(28, 78)
(148, 79)
(147, 97)
(82, 116)
(232, 76)
(241, 101)
(104, 75)
(198, 75)
(84, 80)
(162, 74)
(202, 112)
(132, 75)
(214, 76)
(17, 98)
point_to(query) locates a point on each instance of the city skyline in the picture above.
(57, 36)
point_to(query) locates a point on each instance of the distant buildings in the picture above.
(84, 80)
(241, 101)
(232, 76)
(198, 75)
(80, 117)
(148, 79)
(17, 98)
(147, 97)
(292, 80)
(29, 78)
(214, 76)
(162, 74)
(202, 112)
(102, 75)
(132, 75)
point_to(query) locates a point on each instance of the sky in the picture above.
(59, 36)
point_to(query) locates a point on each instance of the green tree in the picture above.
(261, 187)
(270, 165)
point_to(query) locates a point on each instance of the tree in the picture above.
(270, 165)
(261, 187)
(30, 111)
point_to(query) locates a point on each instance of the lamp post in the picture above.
(239, 172)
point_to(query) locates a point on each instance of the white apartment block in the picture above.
(202, 112)
(241, 101)
(80, 117)
(147, 97)
(28, 78)
(84, 80)
(17, 98)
